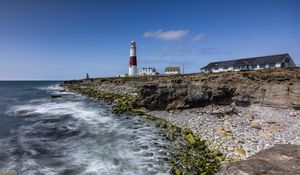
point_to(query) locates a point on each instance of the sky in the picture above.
(65, 39)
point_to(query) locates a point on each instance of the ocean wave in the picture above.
(80, 136)
(54, 87)
(57, 89)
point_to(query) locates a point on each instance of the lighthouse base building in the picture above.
(147, 71)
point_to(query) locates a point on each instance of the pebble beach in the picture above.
(239, 131)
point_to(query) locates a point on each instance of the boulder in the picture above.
(223, 133)
(56, 96)
(140, 111)
(275, 128)
(293, 114)
(249, 116)
(255, 125)
(247, 136)
(190, 139)
(240, 152)
(178, 104)
(220, 132)
(23, 112)
(277, 160)
(264, 135)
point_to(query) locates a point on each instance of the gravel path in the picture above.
(242, 134)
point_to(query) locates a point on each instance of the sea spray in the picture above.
(190, 154)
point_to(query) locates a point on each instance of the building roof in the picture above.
(248, 61)
(172, 69)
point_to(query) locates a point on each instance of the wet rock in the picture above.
(255, 125)
(149, 154)
(190, 154)
(190, 139)
(140, 111)
(116, 161)
(177, 172)
(277, 160)
(56, 96)
(145, 147)
(23, 112)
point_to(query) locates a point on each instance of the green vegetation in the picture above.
(122, 102)
(190, 154)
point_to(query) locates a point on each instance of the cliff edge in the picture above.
(273, 87)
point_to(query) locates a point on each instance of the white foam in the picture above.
(55, 87)
(93, 154)
(76, 109)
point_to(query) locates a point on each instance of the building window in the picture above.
(254, 66)
(272, 65)
(236, 67)
(225, 68)
(287, 60)
(262, 65)
(243, 67)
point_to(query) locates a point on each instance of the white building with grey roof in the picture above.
(172, 70)
(254, 63)
(147, 71)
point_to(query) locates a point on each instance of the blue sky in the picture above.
(58, 40)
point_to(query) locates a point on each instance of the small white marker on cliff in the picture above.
(132, 62)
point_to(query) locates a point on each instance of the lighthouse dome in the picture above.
(133, 43)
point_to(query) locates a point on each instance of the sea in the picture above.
(72, 134)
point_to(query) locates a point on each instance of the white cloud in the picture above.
(166, 35)
(198, 37)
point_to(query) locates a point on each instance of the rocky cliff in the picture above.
(275, 87)
(278, 160)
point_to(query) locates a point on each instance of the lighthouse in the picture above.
(132, 62)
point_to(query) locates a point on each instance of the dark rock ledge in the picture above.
(278, 88)
(278, 160)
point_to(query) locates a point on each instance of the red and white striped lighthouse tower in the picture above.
(132, 63)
